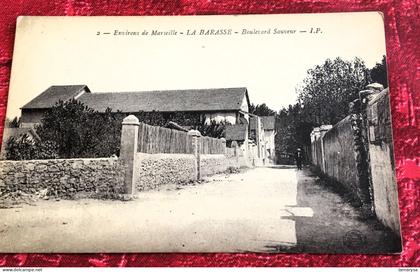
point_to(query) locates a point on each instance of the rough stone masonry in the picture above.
(63, 178)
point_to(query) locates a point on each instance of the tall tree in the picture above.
(379, 73)
(261, 110)
(323, 98)
(328, 88)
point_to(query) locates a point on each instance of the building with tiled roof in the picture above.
(222, 104)
(267, 134)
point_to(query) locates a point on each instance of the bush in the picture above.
(233, 170)
(81, 132)
(25, 148)
(70, 130)
(214, 130)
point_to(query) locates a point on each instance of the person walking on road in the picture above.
(299, 158)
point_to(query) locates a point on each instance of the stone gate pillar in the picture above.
(196, 143)
(128, 150)
(235, 147)
(224, 145)
(258, 134)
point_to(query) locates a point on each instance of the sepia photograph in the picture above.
(220, 133)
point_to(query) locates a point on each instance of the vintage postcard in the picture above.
(245, 133)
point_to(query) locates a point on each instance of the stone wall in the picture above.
(133, 171)
(339, 156)
(358, 153)
(385, 193)
(63, 178)
(213, 164)
(316, 148)
(154, 170)
(344, 158)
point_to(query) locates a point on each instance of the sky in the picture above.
(67, 50)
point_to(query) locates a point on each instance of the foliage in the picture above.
(108, 125)
(161, 119)
(153, 118)
(323, 98)
(214, 130)
(80, 132)
(328, 89)
(379, 73)
(232, 170)
(261, 110)
(185, 119)
(292, 131)
(14, 123)
(25, 148)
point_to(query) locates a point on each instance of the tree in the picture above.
(157, 118)
(379, 73)
(109, 125)
(14, 123)
(261, 110)
(81, 132)
(153, 118)
(329, 88)
(214, 129)
(323, 98)
(192, 120)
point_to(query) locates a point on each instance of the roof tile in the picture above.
(53, 94)
(222, 99)
(167, 101)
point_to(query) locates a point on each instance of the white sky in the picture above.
(66, 50)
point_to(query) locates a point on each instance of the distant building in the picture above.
(260, 135)
(262, 130)
(238, 133)
(224, 104)
(269, 136)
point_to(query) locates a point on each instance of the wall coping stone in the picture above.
(59, 160)
(377, 96)
(375, 86)
(213, 156)
(164, 155)
(131, 120)
(194, 133)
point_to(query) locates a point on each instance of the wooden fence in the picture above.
(153, 139)
(212, 146)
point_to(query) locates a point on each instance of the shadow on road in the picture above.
(326, 223)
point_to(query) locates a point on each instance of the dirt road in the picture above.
(262, 209)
